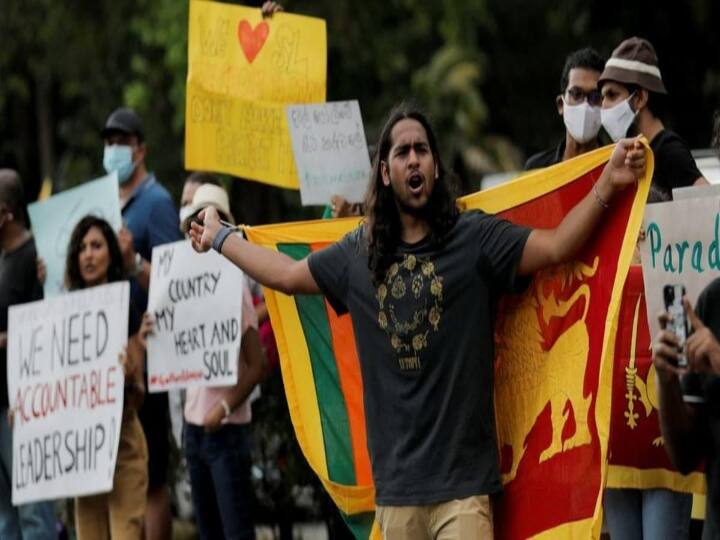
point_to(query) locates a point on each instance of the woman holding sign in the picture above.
(94, 258)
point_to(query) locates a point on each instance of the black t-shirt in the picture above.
(425, 342)
(546, 157)
(704, 391)
(18, 285)
(674, 165)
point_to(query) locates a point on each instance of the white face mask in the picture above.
(582, 121)
(618, 119)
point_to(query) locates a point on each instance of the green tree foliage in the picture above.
(60, 71)
(487, 71)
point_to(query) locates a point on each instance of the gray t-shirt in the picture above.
(425, 342)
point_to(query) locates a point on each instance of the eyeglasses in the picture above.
(575, 96)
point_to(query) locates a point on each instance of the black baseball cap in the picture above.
(126, 121)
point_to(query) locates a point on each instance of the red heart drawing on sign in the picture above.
(252, 40)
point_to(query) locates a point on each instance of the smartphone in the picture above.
(673, 295)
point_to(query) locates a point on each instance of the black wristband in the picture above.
(220, 238)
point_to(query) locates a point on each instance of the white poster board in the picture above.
(66, 386)
(681, 246)
(692, 192)
(196, 301)
(54, 219)
(331, 154)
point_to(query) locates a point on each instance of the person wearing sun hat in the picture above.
(208, 195)
(216, 434)
(217, 420)
(633, 102)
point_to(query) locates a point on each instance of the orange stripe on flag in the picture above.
(348, 365)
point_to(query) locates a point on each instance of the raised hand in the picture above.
(270, 8)
(204, 229)
(665, 351)
(627, 163)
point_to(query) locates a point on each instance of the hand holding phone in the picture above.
(677, 323)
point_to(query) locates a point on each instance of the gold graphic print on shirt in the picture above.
(410, 308)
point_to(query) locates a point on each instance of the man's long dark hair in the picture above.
(382, 223)
(73, 277)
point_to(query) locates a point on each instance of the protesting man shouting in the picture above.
(434, 457)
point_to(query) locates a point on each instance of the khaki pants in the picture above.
(464, 519)
(119, 514)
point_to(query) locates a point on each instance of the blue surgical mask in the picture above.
(118, 158)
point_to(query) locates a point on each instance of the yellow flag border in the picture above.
(623, 477)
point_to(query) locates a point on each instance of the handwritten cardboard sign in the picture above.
(242, 71)
(681, 246)
(196, 301)
(54, 219)
(331, 154)
(66, 385)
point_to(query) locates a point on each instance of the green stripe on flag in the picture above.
(333, 411)
(360, 525)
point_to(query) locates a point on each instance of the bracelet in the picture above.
(220, 238)
(602, 202)
(226, 407)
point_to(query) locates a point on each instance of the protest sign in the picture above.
(54, 219)
(242, 71)
(691, 192)
(681, 246)
(196, 301)
(66, 386)
(331, 154)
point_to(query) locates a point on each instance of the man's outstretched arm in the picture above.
(266, 266)
(546, 247)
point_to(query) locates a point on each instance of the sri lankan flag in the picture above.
(553, 364)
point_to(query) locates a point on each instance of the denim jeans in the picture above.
(35, 521)
(219, 466)
(652, 514)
